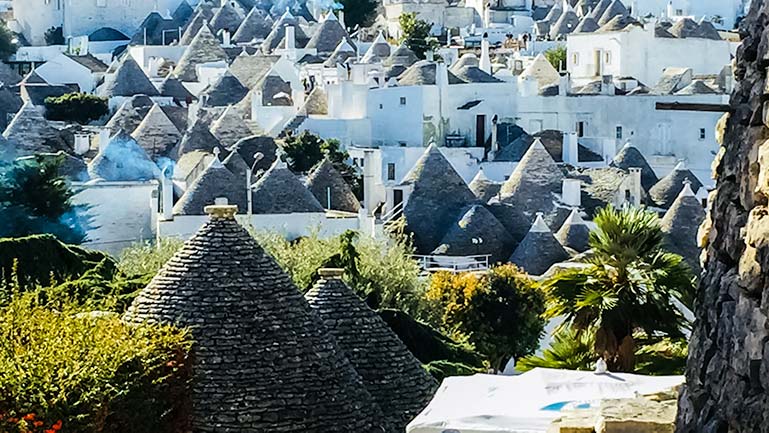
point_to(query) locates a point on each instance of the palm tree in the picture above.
(628, 284)
(569, 350)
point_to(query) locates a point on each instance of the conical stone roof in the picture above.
(599, 9)
(402, 56)
(230, 127)
(329, 35)
(130, 114)
(128, 80)
(172, 87)
(539, 249)
(29, 132)
(439, 194)
(157, 135)
(483, 187)
(262, 360)
(216, 181)
(197, 137)
(227, 90)
(278, 33)
(574, 233)
(329, 187)
(391, 374)
(248, 147)
(477, 233)
(630, 157)
(278, 191)
(665, 192)
(183, 13)
(199, 19)
(122, 160)
(533, 183)
(681, 224)
(565, 24)
(615, 9)
(204, 48)
(340, 54)
(226, 18)
(379, 50)
(257, 25)
(588, 24)
(237, 166)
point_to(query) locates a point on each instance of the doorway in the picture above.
(480, 130)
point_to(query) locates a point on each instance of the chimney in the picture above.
(564, 84)
(494, 142)
(290, 37)
(669, 11)
(635, 186)
(167, 200)
(331, 273)
(571, 193)
(226, 38)
(441, 74)
(607, 85)
(341, 19)
(485, 61)
(221, 212)
(82, 143)
(570, 148)
(430, 56)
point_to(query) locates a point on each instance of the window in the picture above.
(619, 133)
(402, 143)
(381, 106)
(355, 161)
(575, 59)
(390, 171)
(580, 129)
(403, 100)
(607, 57)
(679, 12)
(703, 134)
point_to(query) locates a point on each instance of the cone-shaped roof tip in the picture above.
(687, 191)
(575, 217)
(680, 166)
(540, 226)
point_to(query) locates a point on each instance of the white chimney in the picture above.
(226, 38)
(167, 199)
(635, 186)
(82, 143)
(441, 74)
(570, 148)
(290, 37)
(564, 84)
(485, 61)
(494, 142)
(670, 13)
(430, 56)
(571, 194)
(341, 19)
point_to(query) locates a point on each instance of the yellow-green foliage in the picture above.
(91, 372)
(300, 258)
(499, 311)
(146, 258)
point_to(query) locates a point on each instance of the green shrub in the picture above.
(443, 369)
(146, 258)
(557, 57)
(89, 373)
(76, 107)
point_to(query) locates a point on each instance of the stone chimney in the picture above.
(570, 148)
(341, 19)
(290, 37)
(571, 192)
(167, 198)
(635, 186)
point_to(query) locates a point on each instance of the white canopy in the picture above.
(527, 403)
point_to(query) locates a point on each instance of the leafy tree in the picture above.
(303, 151)
(359, 12)
(54, 36)
(76, 107)
(35, 199)
(628, 285)
(7, 44)
(416, 34)
(499, 312)
(557, 57)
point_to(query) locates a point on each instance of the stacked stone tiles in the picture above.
(262, 360)
(393, 376)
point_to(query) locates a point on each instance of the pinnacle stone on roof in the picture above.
(197, 137)
(665, 192)
(483, 187)
(156, 134)
(230, 127)
(226, 90)
(588, 24)
(477, 232)
(681, 224)
(330, 188)
(574, 233)
(402, 56)
(533, 182)
(128, 80)
(226, 18)
(121, 159)
(204, 48)
(215, 182)
(630, 157)
(268, 342)
(257, 25)
(615, 9)
(539, 249)
(329, 35)
(391, 374)
(439, 194)
(279, 191)
(29, 132)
